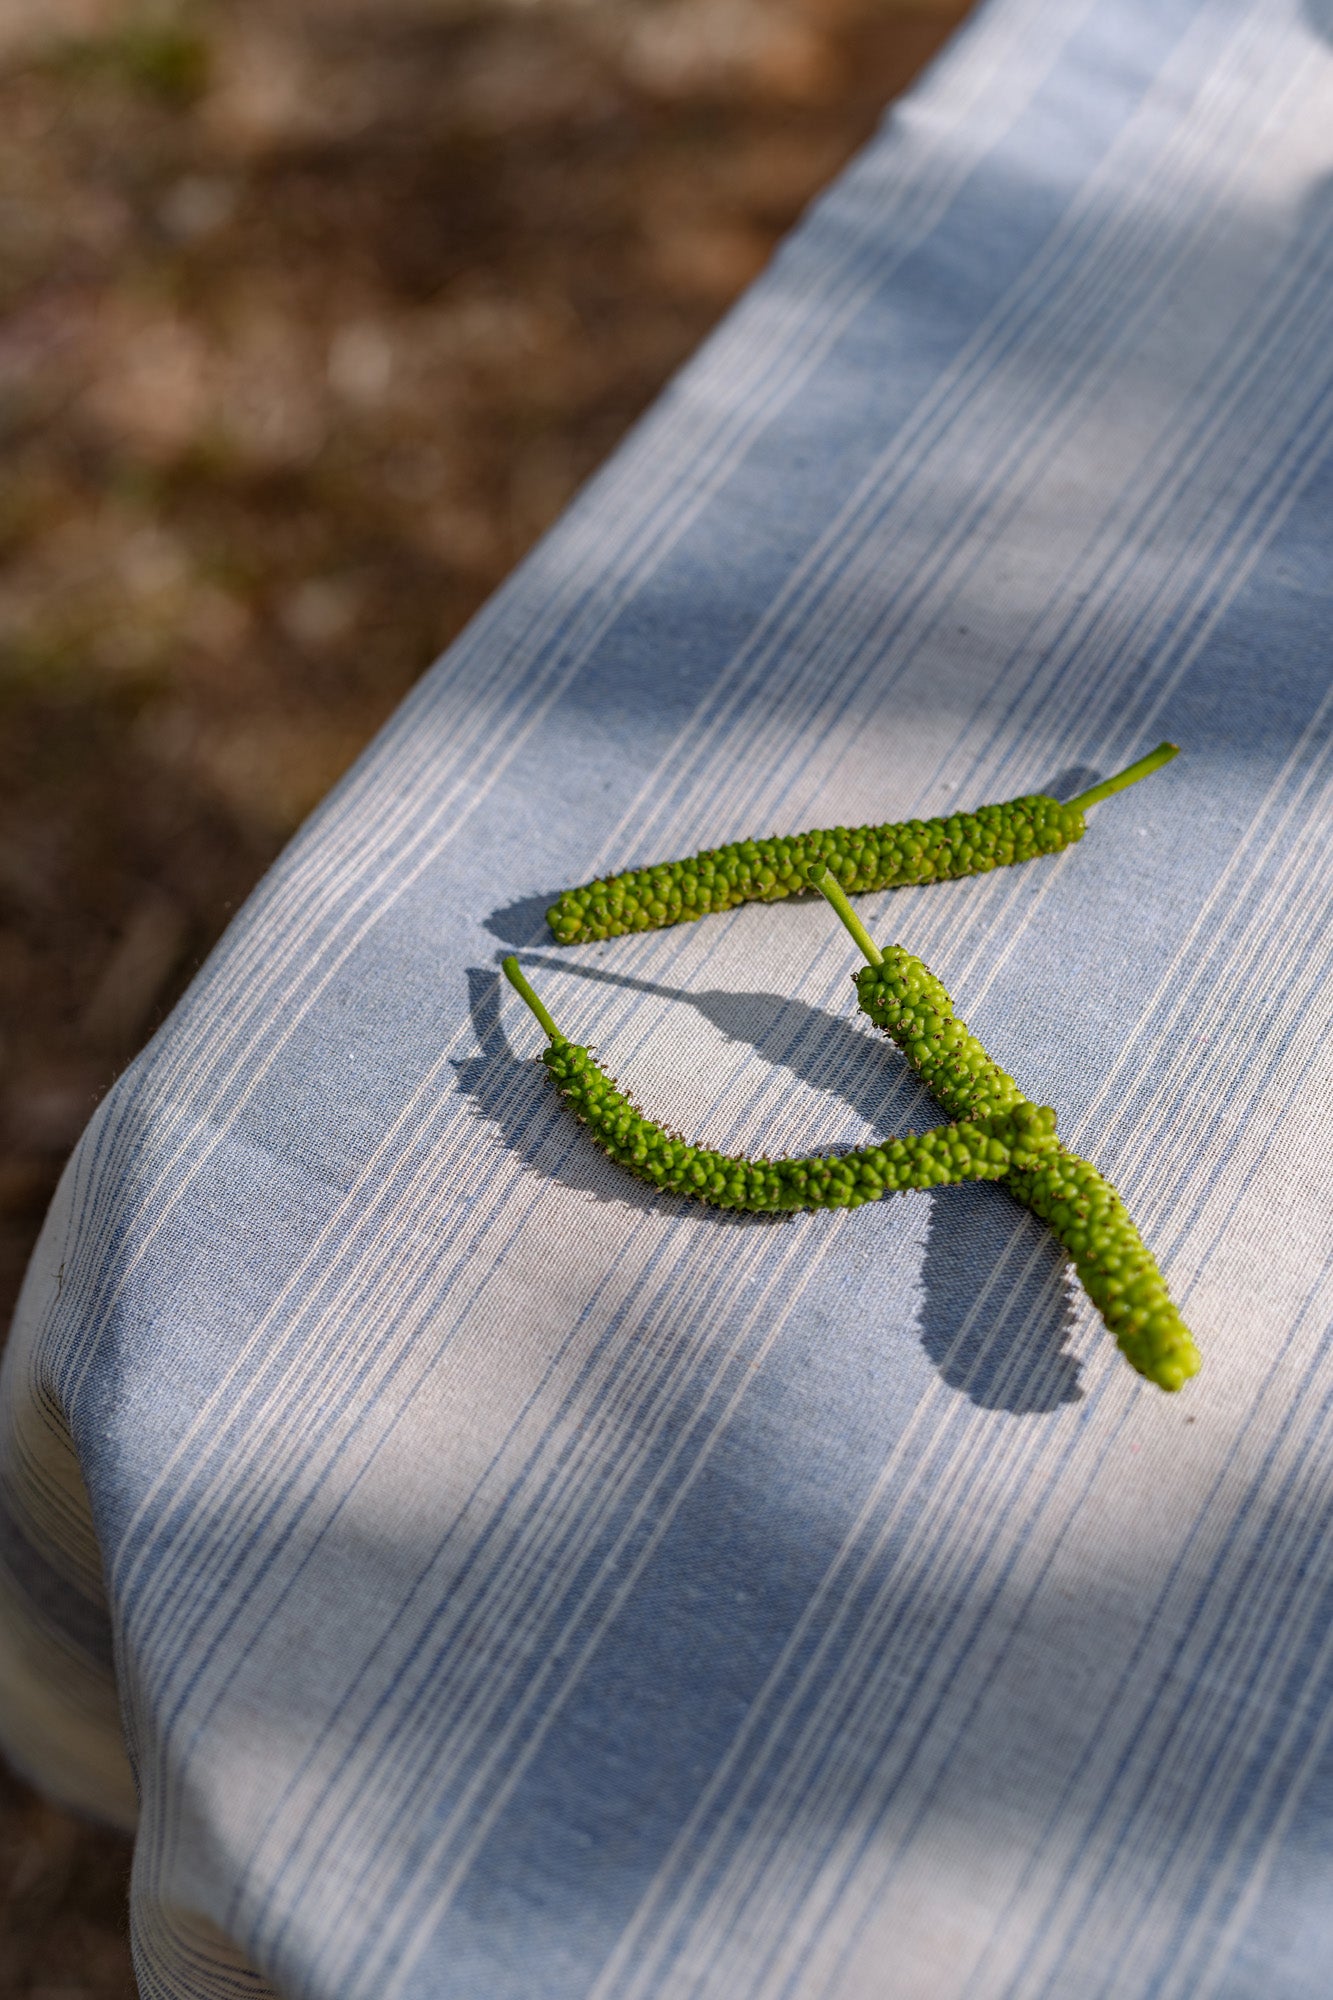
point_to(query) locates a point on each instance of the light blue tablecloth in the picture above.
(522, 1588)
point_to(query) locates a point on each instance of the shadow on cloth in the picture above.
(1008, 1356)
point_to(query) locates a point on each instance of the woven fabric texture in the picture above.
(512, 1585)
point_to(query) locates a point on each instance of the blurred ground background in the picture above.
(313, 313)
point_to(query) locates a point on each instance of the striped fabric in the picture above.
(517, 1584)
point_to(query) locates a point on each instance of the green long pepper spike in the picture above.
(902, 997)
(862, 858)
(987, 1148)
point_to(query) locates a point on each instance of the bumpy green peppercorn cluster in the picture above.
(904, 998)
(996, 1134)
(861, 858)
(1087, 1215)
(1113, 1263)
(1015, 1138)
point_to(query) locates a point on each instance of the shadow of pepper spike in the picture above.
(1085, 1213)
(966, 1151)
(889, 855)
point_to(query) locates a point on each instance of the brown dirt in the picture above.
(313, 314)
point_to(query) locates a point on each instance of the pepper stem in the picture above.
(833, 892)
(1131, 774)
(520, 986)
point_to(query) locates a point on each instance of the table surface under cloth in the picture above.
(521, 1587)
